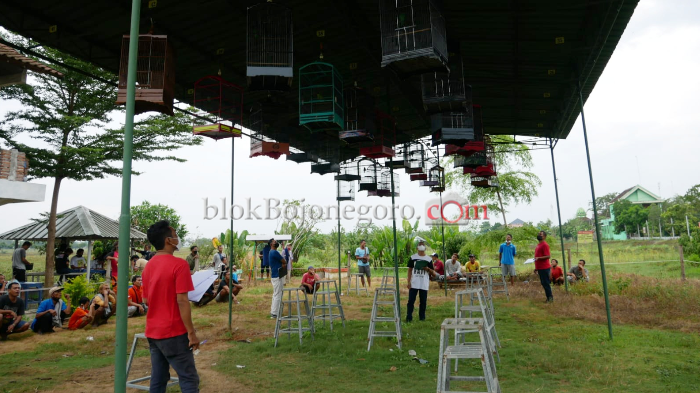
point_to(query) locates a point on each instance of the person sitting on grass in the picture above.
(135, 298)
(310, 280)
(223, 289)
(236, 285)
(578, 273)
(83, 315)
(105, 305)
(452, 268)
(557, 274)
(51, 312)
(12, 310)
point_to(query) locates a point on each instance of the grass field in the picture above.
(562, 347)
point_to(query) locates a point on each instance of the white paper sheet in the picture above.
(531, 260)
(201, 280)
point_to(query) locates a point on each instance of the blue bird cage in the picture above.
(321, 106)
(270, 47)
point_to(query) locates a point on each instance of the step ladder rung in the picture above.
(384, 334)
(464, 352)
(465, 378)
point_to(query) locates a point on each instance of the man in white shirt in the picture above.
(78, 261)
(420, 268)
(453, 268)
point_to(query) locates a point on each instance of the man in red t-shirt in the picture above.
(169, 328)
(557, 275)
(542, 264)
(309, 282)
(439, 266)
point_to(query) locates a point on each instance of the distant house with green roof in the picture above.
(637, 195)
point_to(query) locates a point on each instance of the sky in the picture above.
(641, 120)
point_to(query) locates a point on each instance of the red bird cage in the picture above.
(260, 143)
(474, 146)
(223, 100)
(360, 124)
(155, 74)
(385, 138)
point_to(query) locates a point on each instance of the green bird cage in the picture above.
(321, 106)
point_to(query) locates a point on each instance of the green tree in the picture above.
(603, 203)
(629, 215)
(146, 214)
(516, 183)
(485, 227)
(65, 121)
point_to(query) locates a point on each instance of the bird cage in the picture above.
(260, 143)
(473, 146)
(384, 184)
(369, 175)
(446, 91)
(472, 161)
(484, 182)
(349, 171)
(385, 138)
(270, 47)
(434, 174)
(320, 97)
(456, 127)
(415, 158)
(489, 169)
(360, 124)
(346, 191)
(400, 159)
(423, 176)
(437, 174)
(155, 74)
(413, 36)
(223, 100)
(299, 156)
(323, 167)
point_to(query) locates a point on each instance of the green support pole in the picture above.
(125, 217)
(396, 251)
(442, 225)
(340, 280)
(595, 217)
(561, 231)
(230, 257)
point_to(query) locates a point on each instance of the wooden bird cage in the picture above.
(384, 184)
(321, 105)
(346, 191)
(349, 171)
(384, 141)
(413, 36)
(446, 91)
(299, 156)
(270, 47)
(473, 146)
(155, 74)
(369, 175)
(434, 174)
(224, 101)
(484, 182)
(360, 124)
(261, 144)
(415, 158)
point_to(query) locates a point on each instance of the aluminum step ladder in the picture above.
(357, 288)
(385, 310)
(134, 383)
(476, 350)
(497, 281)
(296, 301)
(472, 301)
(326, 299)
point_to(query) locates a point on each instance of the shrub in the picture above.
(79, 287)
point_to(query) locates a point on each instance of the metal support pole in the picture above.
(125, 216)
(340, 273)
(230, 257)
(595, 217)
(561, 231)
(442, 224)
(396, 251)
(89, 254)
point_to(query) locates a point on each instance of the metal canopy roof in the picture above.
(523, 58)
(78, 223)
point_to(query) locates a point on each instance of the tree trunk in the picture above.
(51, 238)
(503, 210)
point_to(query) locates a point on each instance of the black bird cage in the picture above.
(299, 156)
(223, 100)
(432, 178)
(323, 167)
(455, 127)
(484, 182)
(473, 146)
(384, 141)
(346, 191)
(261, 144)
(321, 105)
(401, 158)
(360, 124)
(155, 74)
(270, 47)
(437, 175)
(384, 184)
(446, 91)
(413, 36)
(349, 171)
(415, 158)
(369, 175)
